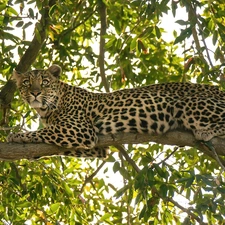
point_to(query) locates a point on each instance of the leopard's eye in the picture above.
(45, 82)
(26, 82)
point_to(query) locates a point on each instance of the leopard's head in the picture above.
(39, 88)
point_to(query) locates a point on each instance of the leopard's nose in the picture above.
(35, 93)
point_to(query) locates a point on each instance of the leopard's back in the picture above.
(154, 109)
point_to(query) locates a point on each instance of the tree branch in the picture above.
(193, 18)
(127, 157)
(102, 12)
(14, 151)
(90, 178)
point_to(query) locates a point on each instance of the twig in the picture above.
(89, 178)
(193, 19)
(207, 51)
(175, 149)
(211, 152)
(203, 39)
(212, 148)
(127, 157)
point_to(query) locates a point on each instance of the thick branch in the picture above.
(14, 151)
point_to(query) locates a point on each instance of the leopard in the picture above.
(75, 117)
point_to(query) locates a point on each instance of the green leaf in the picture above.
(215, 37)
(174, 8)
(11, 37)
(139, 198)
(27, 25)
(121, 191)
(54, 207)
(182, 22)
(143, 212)
(190, 182)
(147, 32)
(160, 171)
(12, 11)
(163, 190)
(184, 34)
(158, 32)
(117, 25)
(20, 24)
(106, 216)
(2, 6)
(24, 204)
(124, 173)
(150, 174)
(31, 13)
(52, 10)
(116, 167)
(111, 42)
(9, 48)
(67, 189)
(39, 189)
(221, 190)
(133, 44)
(183, 179)
(37, 34)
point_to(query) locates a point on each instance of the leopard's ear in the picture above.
(55, 70)
(16, 76)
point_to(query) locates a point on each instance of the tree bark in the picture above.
(15, 151)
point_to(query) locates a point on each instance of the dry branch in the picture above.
(14, 151)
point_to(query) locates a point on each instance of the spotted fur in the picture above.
(74, 117)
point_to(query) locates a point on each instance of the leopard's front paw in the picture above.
(16, 137)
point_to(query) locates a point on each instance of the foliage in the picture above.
(168, 185)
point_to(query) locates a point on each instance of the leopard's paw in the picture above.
(16, 137)
(203, 135)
